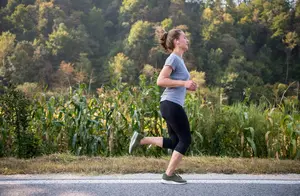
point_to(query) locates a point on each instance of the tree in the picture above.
(49, 15)
(291, 40)
(7, 45)
(242, 74)
(24, 20)
(130, 11)
(3, 3)
(296, 21)
(60, 41)
(65, 75)
(148, 10)
(66, 44)
(11, 5)
(23, 63)
(177, 14)
(213, 66)
(85, 72)
(263, 61)
(95, 24)
(228, 44)
(139, 42)
(122, 69)
(247, 38)
(210, 25)
(44, 67)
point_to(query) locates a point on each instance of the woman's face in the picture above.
(182, 42)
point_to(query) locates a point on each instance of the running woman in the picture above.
(175, 77)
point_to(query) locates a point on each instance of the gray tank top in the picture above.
(180, 72)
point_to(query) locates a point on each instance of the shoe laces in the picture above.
(178, 175)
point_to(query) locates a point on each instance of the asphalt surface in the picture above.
(149, 184)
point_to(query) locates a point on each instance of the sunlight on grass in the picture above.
(66, 163)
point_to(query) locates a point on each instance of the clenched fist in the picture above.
(190, 85)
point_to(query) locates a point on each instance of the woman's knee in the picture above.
(174, 143)
(188, 140)
(170, 143)
(183, 145)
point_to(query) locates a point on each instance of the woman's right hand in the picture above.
(190, 85)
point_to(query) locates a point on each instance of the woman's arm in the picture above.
(164, 80)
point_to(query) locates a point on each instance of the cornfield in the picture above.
(101, 124)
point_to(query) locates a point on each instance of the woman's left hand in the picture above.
(193, 87)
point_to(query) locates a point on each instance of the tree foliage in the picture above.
(254, 40)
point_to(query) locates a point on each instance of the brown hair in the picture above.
(167, 39)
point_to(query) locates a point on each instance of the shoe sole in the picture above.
(132, 141)
(172, 182)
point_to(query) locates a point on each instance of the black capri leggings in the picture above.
(178, 127)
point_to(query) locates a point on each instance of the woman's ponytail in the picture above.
(163, 40)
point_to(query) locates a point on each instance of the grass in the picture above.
(66, 163)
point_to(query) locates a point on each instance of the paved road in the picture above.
(149, 184)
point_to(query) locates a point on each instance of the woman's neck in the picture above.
(178, 52)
